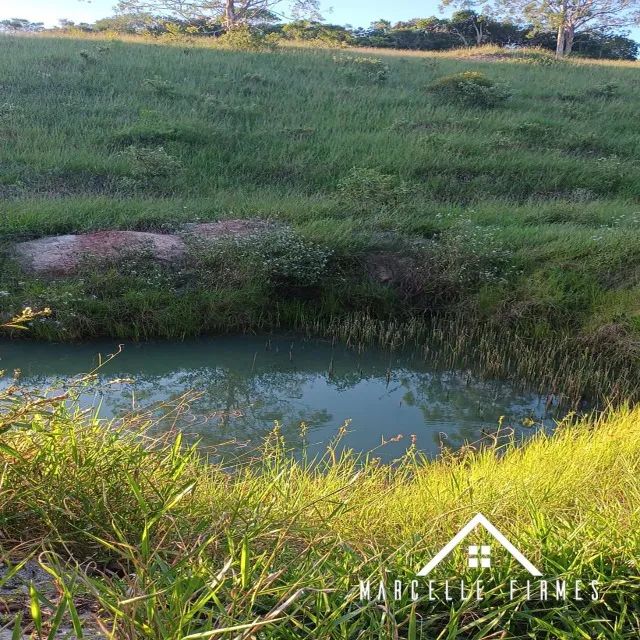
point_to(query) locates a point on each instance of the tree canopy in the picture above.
(229, 12)
(566, 18)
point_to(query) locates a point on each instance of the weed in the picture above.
(161, 87)
(145, 162)
(166, 543)
(366, 188)
(279, 256)
(361, 68)
(471, 89)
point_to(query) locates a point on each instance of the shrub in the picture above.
(161, 87)
(471, 89)
(604, 91)
(370, 187)
(88, 56)
(359, 68)
(150, 133)
(534, 56)
(222, 107)
(536, 132)
(244, 38)
(150, 162)
(253, 83)
(254, 78)
(279, 255)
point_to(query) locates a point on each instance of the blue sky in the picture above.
(355, 12)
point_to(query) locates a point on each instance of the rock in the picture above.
(14, 599)
(30, 573)
(389, 268)
(63, 255)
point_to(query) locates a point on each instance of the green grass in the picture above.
(168, 544)
(524, 216)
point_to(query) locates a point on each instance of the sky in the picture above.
(358, 13)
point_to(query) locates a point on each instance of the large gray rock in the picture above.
(14, 599)
(390, 268)
(64, 255)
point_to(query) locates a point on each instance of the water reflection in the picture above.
(247, 383)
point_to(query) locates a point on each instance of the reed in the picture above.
(575, 373)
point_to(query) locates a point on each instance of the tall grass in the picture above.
(168, 544)
(574, 373)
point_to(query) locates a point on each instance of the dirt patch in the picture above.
(63, 255)
(486, 57)
(14, 600)
(225, 228)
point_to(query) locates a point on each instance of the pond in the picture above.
(247, 383)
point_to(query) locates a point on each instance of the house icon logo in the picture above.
(478, 556)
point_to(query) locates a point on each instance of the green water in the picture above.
(246, 383)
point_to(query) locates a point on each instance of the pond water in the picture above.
(246, 383)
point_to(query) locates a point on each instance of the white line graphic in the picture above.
(464, 532)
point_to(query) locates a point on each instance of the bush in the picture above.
(603, 91)
(150, 162)
(536, 132)
(161, 87)
(88, 56)
(471, 89)
(150, 133)
(223, 107)
(244, 38)
(359, 68)
(280, 256)
(370, 187)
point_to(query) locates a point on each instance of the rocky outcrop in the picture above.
(64, 255)
(389, 268)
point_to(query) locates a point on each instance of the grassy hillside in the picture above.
(524, 215)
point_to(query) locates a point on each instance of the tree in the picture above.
(20, 25)
(567, 18)
(231, 12)
(313, 30)
(467, 24)
(590, 44)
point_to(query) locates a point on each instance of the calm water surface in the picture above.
(247, 383)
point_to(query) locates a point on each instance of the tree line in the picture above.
(591, 28)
